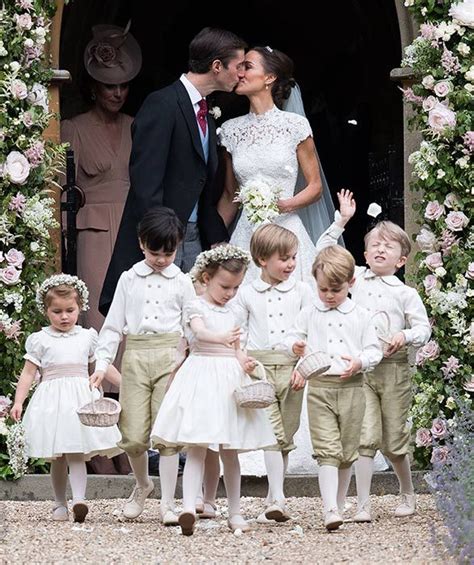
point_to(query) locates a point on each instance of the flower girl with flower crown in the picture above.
(199, 410)
(61, 353)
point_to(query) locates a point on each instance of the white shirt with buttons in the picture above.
(345, 330)
(269, 311)
(145, 302)
(389, 294)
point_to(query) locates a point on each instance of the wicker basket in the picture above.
(313, 364)
(381, 321)
(100, 413)
(258, 394)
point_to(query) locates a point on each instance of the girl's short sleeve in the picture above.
(301, 129)
(94, 338)
(193, 309)
(34, 349)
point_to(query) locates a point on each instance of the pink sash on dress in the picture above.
(64, 370)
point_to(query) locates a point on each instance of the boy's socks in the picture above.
(343, 486)
(364, 468)
(139, 467)
(275, 474)
(328, 477)
(401, 466)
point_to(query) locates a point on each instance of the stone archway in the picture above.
(407, 28)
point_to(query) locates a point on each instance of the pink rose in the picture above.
(439, 428)
(429, 103)
(470, 271)
(15, 258)
(430, 283)
(27, 119)
(456, 221)
(5, 404)
(18, 89)
(440, 118)
(442, 88)
(16, 168)
(427, 241)
(23, 21)
(434, 210)
(451, 200)
(423, 437)
(9, 275)
(428, 352)
(433, 261)
(440, 455)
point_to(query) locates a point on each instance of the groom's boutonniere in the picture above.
(215, 112)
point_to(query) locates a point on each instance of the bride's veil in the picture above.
(316, 217)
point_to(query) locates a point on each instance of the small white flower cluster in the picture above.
(16, 446)
(14, 298)
(215, 112)
(218, 254)
(38, 215)
(259, 201)
(57, 280)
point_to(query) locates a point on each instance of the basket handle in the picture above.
(264, 373)
(384, 313)
(101, 392)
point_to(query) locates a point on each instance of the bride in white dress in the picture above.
(273, 145)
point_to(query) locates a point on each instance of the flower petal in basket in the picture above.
(313, 364)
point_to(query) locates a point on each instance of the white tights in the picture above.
(333, 484)
(193, 474)
(275, 465)
(365, 469)
(77, 477)
(168, 474)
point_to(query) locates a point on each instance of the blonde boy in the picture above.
(269, 305)
(336, 325)
(388, 389)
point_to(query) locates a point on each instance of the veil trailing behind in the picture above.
(316, 217)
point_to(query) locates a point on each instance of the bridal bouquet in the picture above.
(259, 201)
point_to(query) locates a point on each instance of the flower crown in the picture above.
(58, 280)
(218, 254)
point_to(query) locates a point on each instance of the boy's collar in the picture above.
(391, 280)
(143, 270)
(284, 286)
(347, 306)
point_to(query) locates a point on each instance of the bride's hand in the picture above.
(285, 205)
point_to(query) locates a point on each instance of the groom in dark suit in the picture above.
(174, 155)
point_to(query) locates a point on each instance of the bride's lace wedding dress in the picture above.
(263, 146)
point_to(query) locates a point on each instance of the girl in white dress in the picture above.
(199, 409)
(61, 353)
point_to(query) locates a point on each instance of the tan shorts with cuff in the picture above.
(285, 412)
(335, 414)
(146, 367)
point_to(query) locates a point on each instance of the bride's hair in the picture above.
(277, 63)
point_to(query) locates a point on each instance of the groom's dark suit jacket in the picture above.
(167, 168)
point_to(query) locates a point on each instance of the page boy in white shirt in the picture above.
(388, 389)
(334, 324)
(269, 305)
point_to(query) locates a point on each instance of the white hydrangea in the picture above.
(38, 215)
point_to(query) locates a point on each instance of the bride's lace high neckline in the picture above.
(263, 115)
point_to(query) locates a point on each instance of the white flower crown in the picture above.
(58, 280)
(218, 254)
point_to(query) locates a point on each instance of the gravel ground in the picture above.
(28, 535)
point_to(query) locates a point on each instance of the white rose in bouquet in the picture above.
(259, 201)
(16, 168)
(463, 13)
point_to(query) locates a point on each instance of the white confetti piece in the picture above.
(374, 209)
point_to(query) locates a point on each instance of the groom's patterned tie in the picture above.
(201, 115)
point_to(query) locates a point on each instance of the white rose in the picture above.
(409, 3)
(451, 200)
(34, 246)
(15, 66)
(428, 82)
(440, 272)
(28, 42)
(440, 174)
(38, 96)
(442, 88)
(19, 89)
(427, 241)
(16, 168)
(470, 74)
(463, 162)
(469, 87)
(23, 21)
(456, 221)
(463, 13)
